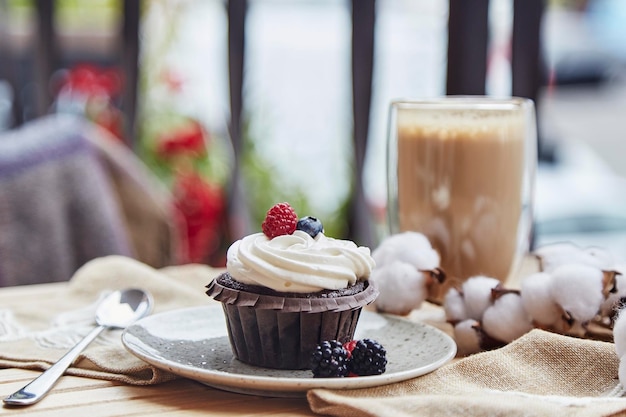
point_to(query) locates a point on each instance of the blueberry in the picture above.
(310, 225)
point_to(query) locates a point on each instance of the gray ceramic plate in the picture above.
(193, 343)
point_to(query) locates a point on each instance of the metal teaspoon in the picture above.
(118, 310)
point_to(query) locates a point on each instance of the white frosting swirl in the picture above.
(298, 262)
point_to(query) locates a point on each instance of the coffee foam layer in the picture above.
(466, 125)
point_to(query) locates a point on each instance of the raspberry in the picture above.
(368, 357)
(329, 360)
(349, 346)
(281, 219)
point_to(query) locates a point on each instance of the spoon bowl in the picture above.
(122, 308)
(117, 310)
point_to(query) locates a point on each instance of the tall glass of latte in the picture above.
(461, 171)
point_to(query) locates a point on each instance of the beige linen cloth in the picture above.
(36, 332)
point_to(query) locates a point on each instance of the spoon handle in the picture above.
(39, 387)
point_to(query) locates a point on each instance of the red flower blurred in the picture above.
(89, 90)
(202, 206)
(187, 140)
(92, 80)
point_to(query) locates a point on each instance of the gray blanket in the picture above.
(58, 208)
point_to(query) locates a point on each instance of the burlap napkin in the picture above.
(540, 374)
(35, 332)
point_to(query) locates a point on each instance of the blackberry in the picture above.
(329, 360)
(368, 358)
(310, 225)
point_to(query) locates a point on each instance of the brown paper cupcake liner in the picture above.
(232, 296)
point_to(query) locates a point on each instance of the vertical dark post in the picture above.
(8, 66)
(236, 46)
(363, 23)
(526, 62)
(46, 55)
(130, 64)
(5, 58)
(468, 35)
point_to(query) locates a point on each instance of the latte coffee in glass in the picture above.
(461, 172)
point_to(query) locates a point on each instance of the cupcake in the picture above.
(289, 288)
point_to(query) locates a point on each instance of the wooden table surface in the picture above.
(74, 396)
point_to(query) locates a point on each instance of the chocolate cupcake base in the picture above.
(280, 332)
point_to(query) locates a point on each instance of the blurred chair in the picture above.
(68, 194)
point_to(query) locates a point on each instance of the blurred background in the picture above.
(235, 105)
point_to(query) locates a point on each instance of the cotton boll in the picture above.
(454, 306)
(411, 247)
(619, 334)
(537, 299)
(401, 287)
(506, 319)
(477, 295)
(577, 289)
(467, 335)
(552, 256)
(555, 255)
